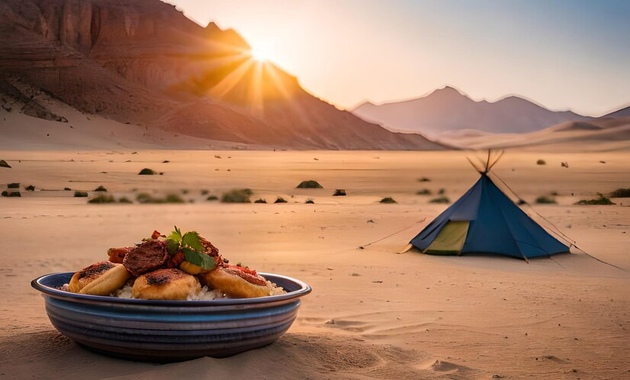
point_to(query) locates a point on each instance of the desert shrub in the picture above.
(424, 179)
(620, 193)
(67, 189)
(280, 200)
(144, 198)
(602, 200)
(173, 198)
(13, 185)
(11, 194)
(541, 162)
(30, 188)
(124, 200)
(388, 200)
(441, 191)
(423, 192)
(3, 164)
(339, 193)
(260, 200)
(146, 171)
(543, 199)
(237, 196)
(440, 200)
(212, 198)
(102, 198)
(310, 201)
(80, 194)
(310, 184)
(205, 192)
(100, 188)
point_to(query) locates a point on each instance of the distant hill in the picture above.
(624, 112)
(142, 62)
(447, 109)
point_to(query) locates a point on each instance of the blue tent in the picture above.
(485, 220)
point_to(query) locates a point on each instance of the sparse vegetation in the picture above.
(441, 191)
(541, 162)
(237, 196)
(423, 192)
(440, 200)
(260, 200)
(602, 200)
(30, 188)
(100, 188)
(310, 201)
(388, 200)
(13, 185)
(309, 184)
(620, 193)
(212, 198)
(148, 198)
(103, 198)
(11, 194)
(147, 171)
(543, 199)
(339, 193)
(80, 194)
(3, 164)
(280, 200)
(124, 200)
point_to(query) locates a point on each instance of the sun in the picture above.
(262, 52)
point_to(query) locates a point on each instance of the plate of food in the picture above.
(170, 298)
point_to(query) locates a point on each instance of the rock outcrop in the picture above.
(144, 62)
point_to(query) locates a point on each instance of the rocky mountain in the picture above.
(447, 110)
(142, 62)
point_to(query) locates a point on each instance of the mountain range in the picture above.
(143, 63)
(159, 75)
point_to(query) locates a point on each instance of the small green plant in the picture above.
(147, 171)
(260, 200)
(620, 193)
(100, 188)
(388, 200)
(339, 193)
(423, 192)
(237, 196)
(602, 200)
(309, 184)
(543, 199)
(280, 200)
(102, 198)
(80, 194)
(440, 200)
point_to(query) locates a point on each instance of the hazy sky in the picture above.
(562, 54)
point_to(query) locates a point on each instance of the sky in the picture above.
(561, 54)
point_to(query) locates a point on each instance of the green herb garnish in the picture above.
(190, 245)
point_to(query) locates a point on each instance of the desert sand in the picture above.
(373, 313)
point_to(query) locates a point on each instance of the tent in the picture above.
(485, 220)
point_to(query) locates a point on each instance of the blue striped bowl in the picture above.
(170, 331)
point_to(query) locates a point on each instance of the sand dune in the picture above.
(373, 314)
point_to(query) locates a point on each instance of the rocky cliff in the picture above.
(144, 62)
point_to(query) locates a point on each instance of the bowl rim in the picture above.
(47, 290)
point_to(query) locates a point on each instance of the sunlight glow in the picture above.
(263, 52)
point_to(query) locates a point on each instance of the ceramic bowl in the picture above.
(169, 331)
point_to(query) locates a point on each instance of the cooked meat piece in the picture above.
(148, 256)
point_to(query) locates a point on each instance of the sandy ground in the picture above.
(373, 314)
